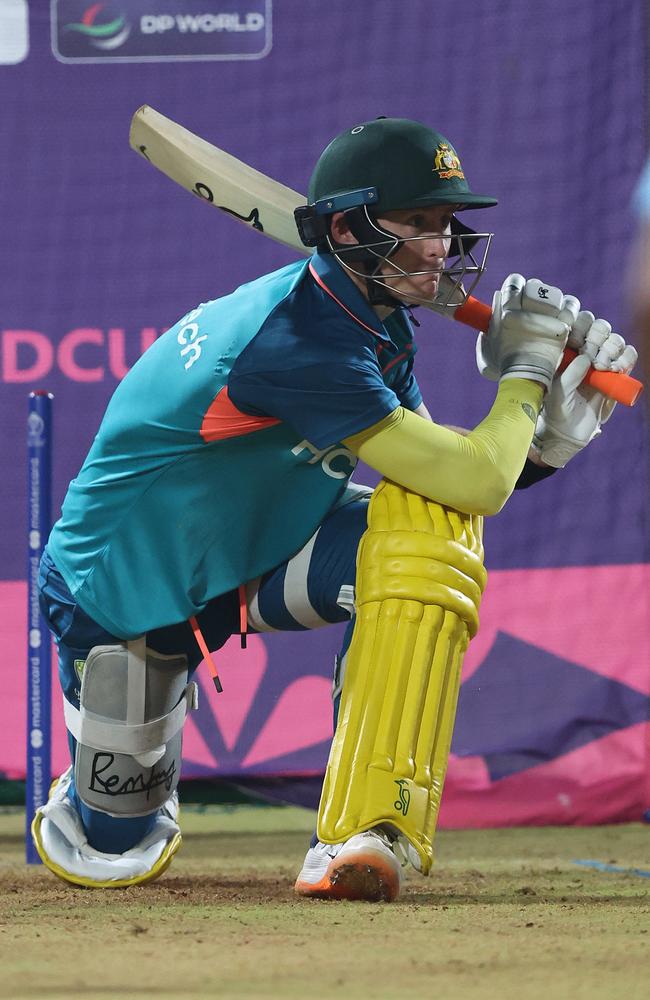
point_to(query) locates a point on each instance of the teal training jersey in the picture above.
(220, 451)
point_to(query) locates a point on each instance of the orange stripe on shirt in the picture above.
(223, 420)
(408, 348)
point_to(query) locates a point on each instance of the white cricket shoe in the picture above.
(362, 868)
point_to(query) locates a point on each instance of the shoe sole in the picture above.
(368, 879)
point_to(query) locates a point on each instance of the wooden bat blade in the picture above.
(217, 177)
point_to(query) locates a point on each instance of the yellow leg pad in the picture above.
(420, 577)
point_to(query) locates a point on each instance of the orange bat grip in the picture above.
(623, 388)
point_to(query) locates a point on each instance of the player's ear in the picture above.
(340, 229)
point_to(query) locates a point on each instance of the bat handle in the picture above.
(623, 388)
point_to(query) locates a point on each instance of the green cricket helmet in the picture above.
(380, 166)
(407, 163)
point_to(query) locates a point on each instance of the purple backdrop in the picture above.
(100, 253)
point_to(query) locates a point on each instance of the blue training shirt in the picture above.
(220, 451)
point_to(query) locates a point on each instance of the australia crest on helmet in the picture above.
(446, 163)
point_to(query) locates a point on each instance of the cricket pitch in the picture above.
(506, 915)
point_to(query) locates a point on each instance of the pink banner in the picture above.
(553, 715)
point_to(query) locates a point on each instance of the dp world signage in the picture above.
(160, 30)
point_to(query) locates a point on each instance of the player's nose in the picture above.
(435, 246)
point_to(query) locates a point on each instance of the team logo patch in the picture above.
(446, 163)
(403, 801)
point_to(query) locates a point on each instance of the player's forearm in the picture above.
(528, 476)
(475, 473)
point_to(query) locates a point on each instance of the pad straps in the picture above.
(134, 736)
(117, 737)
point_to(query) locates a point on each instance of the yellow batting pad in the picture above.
(420, 577)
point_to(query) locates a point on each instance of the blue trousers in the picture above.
(313, 588)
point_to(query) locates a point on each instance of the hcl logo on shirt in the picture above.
(189, 338)
(327, 456)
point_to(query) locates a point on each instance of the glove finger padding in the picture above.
(608, 352)
(579, 329)
(540, 298)
(528, 331)
(509, 295)
(531, 334)
(616, 356)
(573, 413)
(597, 334)
(570, 310)
(626, 361)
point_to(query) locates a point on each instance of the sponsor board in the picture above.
(160, 30)
(85, 354)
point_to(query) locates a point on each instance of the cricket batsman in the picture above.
(216, 497)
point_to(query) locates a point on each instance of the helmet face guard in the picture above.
(459, 271)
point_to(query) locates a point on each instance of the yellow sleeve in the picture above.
(475, 473)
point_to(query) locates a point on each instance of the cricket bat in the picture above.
(268, 206)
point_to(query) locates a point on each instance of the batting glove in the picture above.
(573, 414)
(528, 331)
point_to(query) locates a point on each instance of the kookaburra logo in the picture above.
(403, 802)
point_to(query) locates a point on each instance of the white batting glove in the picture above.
(528, 331)
(573, 413)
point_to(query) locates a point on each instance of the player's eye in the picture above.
(422, 224)
(416, 221)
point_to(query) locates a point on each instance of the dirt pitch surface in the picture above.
(507, 915)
